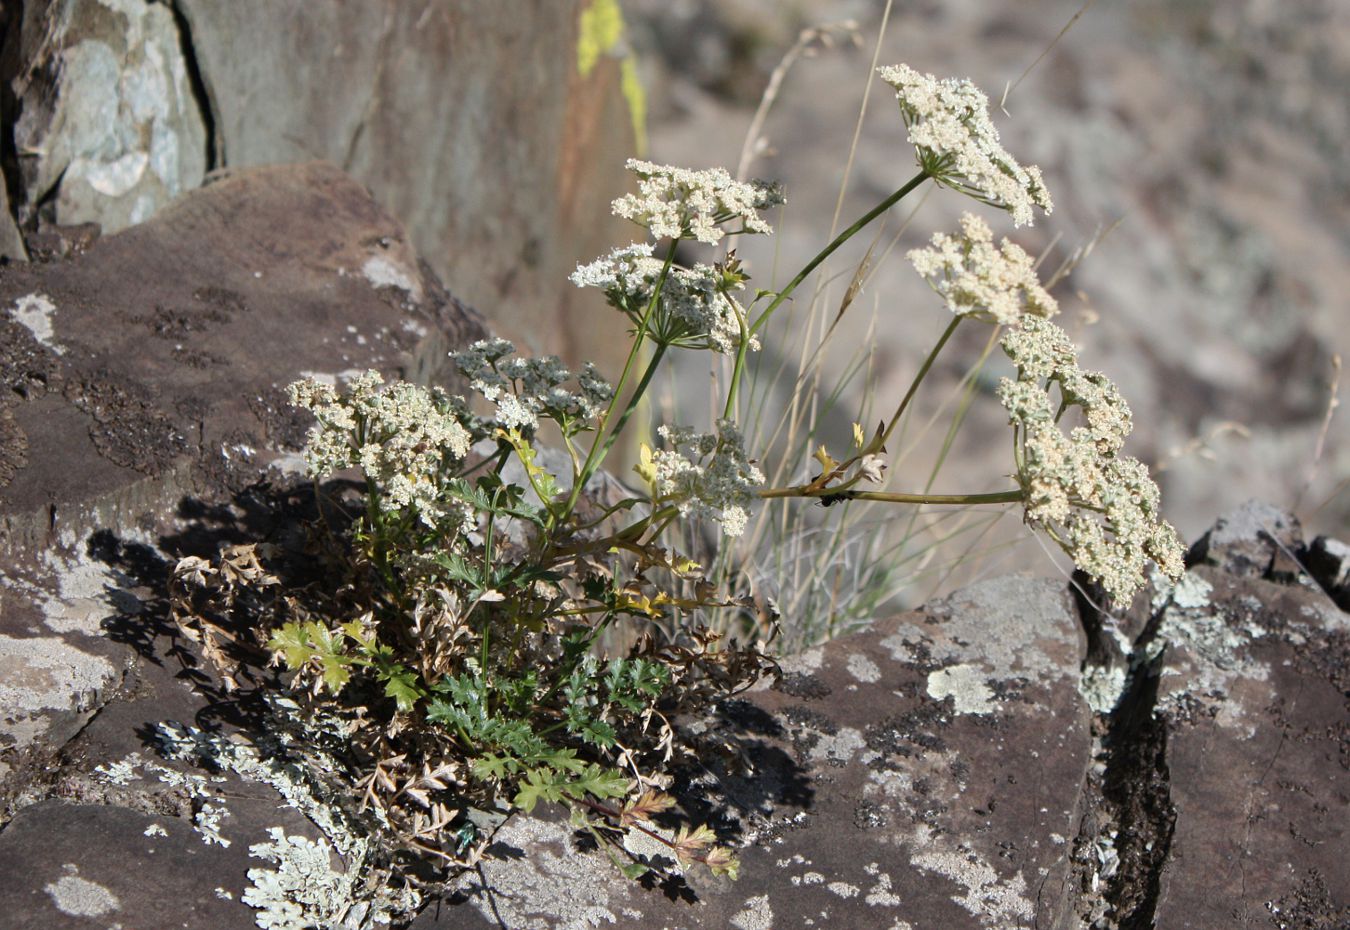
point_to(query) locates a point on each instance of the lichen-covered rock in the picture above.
(1220, 795)
(143, 383)
(107, 125)
(153, 365)
(1255, 696)
(496, 131)
(927, 773)
(1252, 540)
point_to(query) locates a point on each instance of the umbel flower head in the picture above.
(1101, 507)
(975, 278)
(704, 474)
(957, 144)
(679, 203)
(695, 310)
(402, 437)
(525, 389)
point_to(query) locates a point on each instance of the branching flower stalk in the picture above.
(457, 638)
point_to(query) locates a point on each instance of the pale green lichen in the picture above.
(303, 890)
(965, 685)
(1102, 686)
(80, 897)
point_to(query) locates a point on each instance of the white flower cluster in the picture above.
(681, 203)
(402, 437)
(524, 389)
(707, 474)
(957, 144)
(976, 278)
(1099, 506)
(694, 311)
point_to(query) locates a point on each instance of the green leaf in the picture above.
(544, 484)
(300, 643)
(401, 685)
(292, 641)
(634, 870)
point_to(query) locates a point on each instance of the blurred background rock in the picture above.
(475, 122)
(1204, 142)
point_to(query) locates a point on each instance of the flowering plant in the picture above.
(483, 571)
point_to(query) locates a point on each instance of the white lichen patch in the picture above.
(381, 272)
(997, 902)
(302, 891)
(803, 663)
(523, 893)
(1037, 634)
(863, 668)
(155, 830)
(76, 592)
(354, 895)
(34, 313)
(880, 894)
(965, 685)
(1191, 592)
(1208, 659)
(1102, 687)
(80, 897)
(650, 848)
(840, 747)
(755, 914)
(844, 889)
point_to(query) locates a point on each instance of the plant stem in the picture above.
(839, 240)
(599, 447)
(831, 495)
(918, 379)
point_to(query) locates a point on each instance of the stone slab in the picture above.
(153, 364)
(927, 773)
(1255, 692)
(143, 384)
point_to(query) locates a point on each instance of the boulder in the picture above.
(1255, 695)
(495, 131)
(144, 389)
(106, 128)
(950, 767)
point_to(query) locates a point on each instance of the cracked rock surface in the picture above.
(143, 386)
(944, 769)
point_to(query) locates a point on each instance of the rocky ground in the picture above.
(1004, 758)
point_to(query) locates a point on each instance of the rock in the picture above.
(144, 389)
(1221, 783)
(475, 124)
(11, 242)
(153, 365)
(927, 773)
(1251, 541)
(107, 130)
(1329, 562)
(1255, 693)
(77, 865)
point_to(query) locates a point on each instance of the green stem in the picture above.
(839, 240)
(832, 495)
(918, 379)
(729, 412)
(599, 447)
(632, 404)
